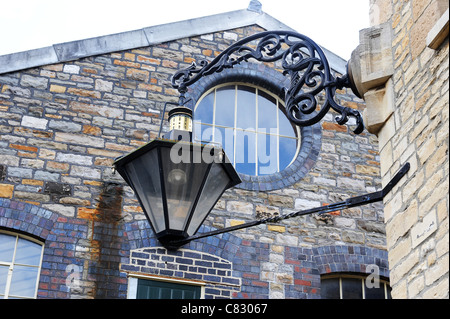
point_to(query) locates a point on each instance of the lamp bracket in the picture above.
(301, 58)
(349, 203)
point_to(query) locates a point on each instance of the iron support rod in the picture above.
(162, 117)
(348, 203)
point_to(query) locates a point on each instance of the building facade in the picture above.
(404, 59)
(70, 227)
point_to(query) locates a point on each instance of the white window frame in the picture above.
(12, 264)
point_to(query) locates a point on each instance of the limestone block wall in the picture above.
(416, 131)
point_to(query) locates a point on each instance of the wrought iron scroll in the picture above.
(312, 85)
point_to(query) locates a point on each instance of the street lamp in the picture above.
(178, 182)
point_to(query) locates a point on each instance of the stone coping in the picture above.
(69, 51)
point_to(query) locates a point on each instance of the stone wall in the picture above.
(62, 126)
(416, 131)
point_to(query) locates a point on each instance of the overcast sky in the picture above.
(32, 24)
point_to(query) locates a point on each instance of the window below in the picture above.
(20, 266)
(344, 286)
(140, 288)
(250, 125)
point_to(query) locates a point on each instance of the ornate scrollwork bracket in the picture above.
(312, 86)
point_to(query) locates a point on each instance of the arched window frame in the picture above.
(12, 265)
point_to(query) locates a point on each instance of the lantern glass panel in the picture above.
(143, 174)
(215, 185)
(183, 181)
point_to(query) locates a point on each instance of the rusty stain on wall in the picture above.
(105, 241)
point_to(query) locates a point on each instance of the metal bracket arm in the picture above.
(348, 203)
(302, 60)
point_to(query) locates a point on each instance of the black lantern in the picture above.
(177, 182)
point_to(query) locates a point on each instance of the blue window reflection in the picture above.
(245, 160)
(224, 111)
(203, 112)
(267, 113)
(267, 154)
(225, 137)
(287, 151)
(246, 108)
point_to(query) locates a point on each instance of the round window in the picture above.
(250, 125)
(242, 109)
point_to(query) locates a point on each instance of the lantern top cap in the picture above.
(181, 110)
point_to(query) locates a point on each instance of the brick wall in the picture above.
(61, 127)
(416, 212)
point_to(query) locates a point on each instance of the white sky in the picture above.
(32, 24)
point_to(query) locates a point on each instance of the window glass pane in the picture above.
(28, 253)
(329, 288)
(197, 131)
(374, 293)
(246, 108)
(3, 277)
(288, 149)
(351, 288)
(267, 113)
(205, 109)
(203, 133)
(219, 135)
(245, 152)
(23, 282)
(165, 293)
(225, 102)
(7, 243)
(267, 154)
(225, 136)
(187, 294)
(285, 127)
